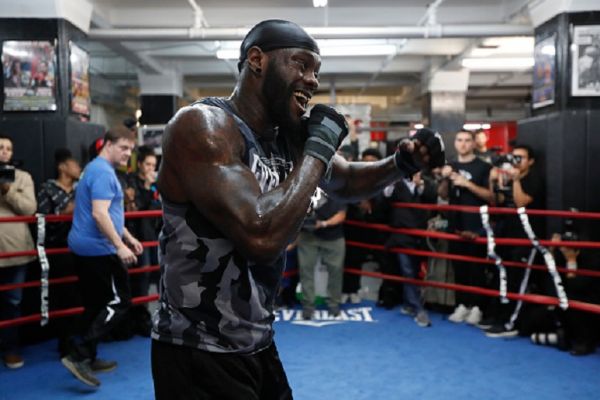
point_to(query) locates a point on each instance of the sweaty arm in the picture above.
(202, 165)
(355, 181)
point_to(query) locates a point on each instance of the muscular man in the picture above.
(236, 180)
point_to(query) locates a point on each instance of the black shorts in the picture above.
(181, 372)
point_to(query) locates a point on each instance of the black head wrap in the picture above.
(275, 34)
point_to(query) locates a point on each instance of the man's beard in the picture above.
(278, 95)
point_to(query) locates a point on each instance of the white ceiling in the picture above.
(399, 75)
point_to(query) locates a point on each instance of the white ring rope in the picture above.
(491, 252)
(563, 301)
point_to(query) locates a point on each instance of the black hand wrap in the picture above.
(435, 146)
(326, 130)
(407, 161)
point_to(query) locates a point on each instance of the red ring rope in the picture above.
(499, 210)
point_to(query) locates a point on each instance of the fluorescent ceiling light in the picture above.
(228, 54)
(475, 126)
(498, 63)
(349, 50)
(337, 48)
(319, 3)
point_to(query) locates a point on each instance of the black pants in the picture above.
(181, 372)
(471, 274)
(106, 297)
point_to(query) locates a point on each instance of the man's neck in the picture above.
(466, 158)
(65, 182)
(105, 156)
(249, 104)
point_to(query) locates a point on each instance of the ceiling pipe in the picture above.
(398, 32)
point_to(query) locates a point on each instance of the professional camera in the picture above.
(507, 161)
(570, 229)
(7, 173)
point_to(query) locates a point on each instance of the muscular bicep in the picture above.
(202, 165)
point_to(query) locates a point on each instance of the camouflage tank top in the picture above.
(211, 297)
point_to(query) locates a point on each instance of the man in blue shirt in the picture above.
(103, 248)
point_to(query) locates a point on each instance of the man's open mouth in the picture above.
(302, 98)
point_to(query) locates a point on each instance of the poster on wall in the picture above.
(585, 69)
(29, 74)
(80, 80)
(151, 136)
(544, 71)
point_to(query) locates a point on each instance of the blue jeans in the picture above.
(10, 304)
(411, 294)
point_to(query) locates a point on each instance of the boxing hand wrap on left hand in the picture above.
(435, 146)
(326, 130)
(406, 161)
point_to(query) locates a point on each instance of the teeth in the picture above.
(301, 95)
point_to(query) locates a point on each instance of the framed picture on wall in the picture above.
(151, 136)
(29, 75)
(80, 80)
(544, 71)
(585, 56)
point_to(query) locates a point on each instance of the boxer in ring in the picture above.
(236, 180)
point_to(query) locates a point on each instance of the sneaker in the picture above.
(407, 311)
(486, 323)
(100, 365)
(422, 319)
(355, 298)
(13, 360)
(80, 370)
(459, 315)
(474, 316)
(500, 331)
(344, 299)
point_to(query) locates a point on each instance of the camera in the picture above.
(570, 231)
(506, 161)
(7, 173)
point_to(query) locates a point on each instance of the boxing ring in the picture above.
(366, 353)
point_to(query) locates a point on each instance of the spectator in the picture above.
(570, 330)
(145, 198)
(56, 197)
(322, 237)
(415, 190)
(481, 149)
(103, 248)
(17, 197)
(515, 185)
(467, 184)
(373, 210)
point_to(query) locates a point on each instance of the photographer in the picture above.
(465, 183)
(515, 185)
(17, 197)
(570, 330)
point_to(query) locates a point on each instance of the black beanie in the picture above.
(275, 34)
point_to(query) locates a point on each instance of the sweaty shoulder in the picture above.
(197, 137)
(204, 128)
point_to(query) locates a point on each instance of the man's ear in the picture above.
(256, 59)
